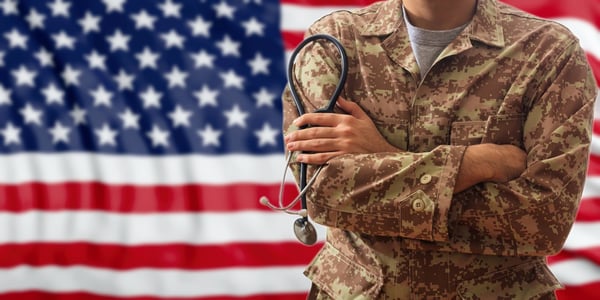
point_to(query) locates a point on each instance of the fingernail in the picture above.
(300, 158)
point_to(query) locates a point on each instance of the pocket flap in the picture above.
(341, 277)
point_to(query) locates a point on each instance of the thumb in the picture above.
(351, 108)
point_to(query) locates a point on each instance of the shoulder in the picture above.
(519, 25)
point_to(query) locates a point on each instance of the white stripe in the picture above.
(141, 170)
(595, 145)
(583, 235)
(137, 229)
(299, 17)
(156, 282)
(588, 34)
(576, 271)
(591, 188)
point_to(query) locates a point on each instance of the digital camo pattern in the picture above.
(395, 229)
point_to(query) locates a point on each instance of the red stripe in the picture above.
(592, 254)
(588, 10)
(172, 256)
(589, 210)
(586, 291)
(139, 199)
(39, 295)
(291, 39)
(356, 3)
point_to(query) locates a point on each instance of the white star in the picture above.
(158, 136)
(95, 60)
(124, 80)
(249, 1)
(101, 96)
(180, 117)
(62, 40)
(130, 120)
(231, 79)
(24, 77)
(259, 64)
(71, 75)
(35, 19)
(31, 115)
(11, 134)
(59, 133)
(266, 135)
(252, 26)
(5, 95)
(176, 77)
(263, 97)
(173, 39)
(44, 57)
(114, 5)
(2, 59)
(203, 59)
(106, 135)
(229, 46)
(209, 136)
(170, 9)
(9, 7)
(223, 10)
(118, 41)
(151, 97)
(59, 8)
(143, 20)
(16, 39)
(53, 94)
(206, 96)
(235, 116)
(200, 27)
(78, 115)
(147, 58)
(90, 23)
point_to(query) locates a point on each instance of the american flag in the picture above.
(137, 136)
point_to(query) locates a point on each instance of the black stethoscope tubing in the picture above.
(303, 221)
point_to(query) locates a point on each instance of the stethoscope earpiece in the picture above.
(303, 229)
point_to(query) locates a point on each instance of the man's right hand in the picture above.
(490, 162)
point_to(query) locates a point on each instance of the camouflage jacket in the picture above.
(508, 78)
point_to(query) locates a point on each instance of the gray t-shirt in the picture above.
(428, 44)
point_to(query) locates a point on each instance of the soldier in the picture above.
(457, 158)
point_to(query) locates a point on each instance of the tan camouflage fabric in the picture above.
(395, 231)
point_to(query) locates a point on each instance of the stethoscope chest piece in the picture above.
(305, 231)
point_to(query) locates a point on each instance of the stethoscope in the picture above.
(304, 230)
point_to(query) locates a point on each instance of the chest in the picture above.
(474, 97)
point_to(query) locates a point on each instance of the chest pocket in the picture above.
(498, 129)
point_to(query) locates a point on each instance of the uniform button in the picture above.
(418, 204)
(425, 179)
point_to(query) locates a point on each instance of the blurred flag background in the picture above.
(137, 136)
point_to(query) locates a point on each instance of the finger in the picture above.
(315, 145)
(319, 119)
(316, 158)
(310, 133)
(351, 108)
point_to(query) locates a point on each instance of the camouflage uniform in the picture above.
(396, 231)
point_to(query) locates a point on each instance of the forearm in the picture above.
(489, 163)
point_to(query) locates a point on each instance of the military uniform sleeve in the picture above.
(392, 194)
(535, 212)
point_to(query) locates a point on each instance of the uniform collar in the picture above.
(485, 26)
